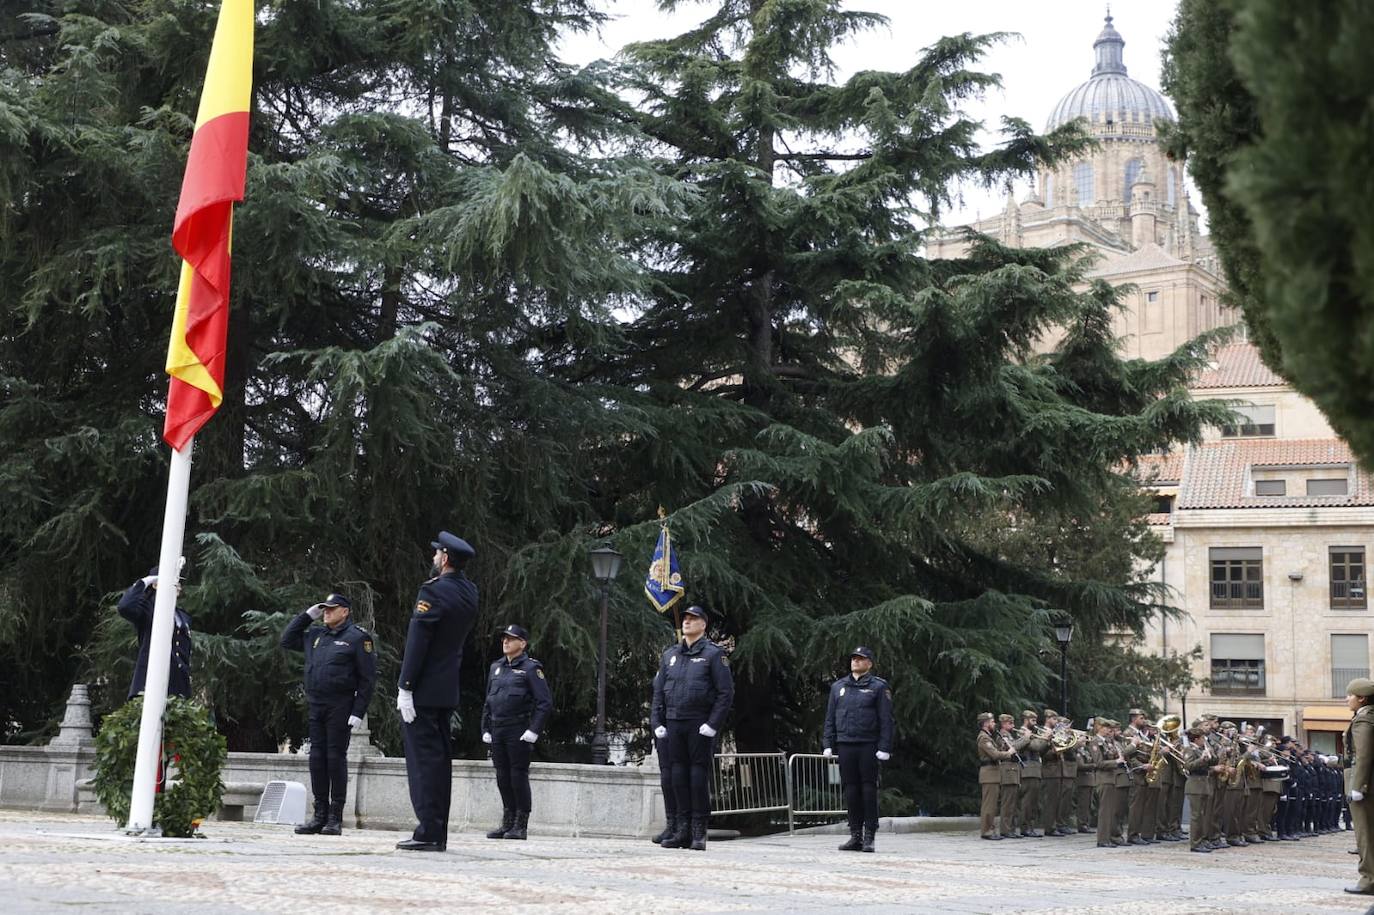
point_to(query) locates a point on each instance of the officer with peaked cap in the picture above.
(340, 673)
(427, 692)
(858, 726)
(695, 689)
(518, 701)
(1359, 770)
(136, 606)
(990, 755)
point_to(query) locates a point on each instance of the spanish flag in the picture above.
(213, 182)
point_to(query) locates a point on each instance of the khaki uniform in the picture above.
(1250, 817)
(1270, 789)
(1009, 774)
(1136, 749)
(1199, 792)
(1173, 823)
(1068, 780)
(1107, 766)
(989, 781)
(1032, 783)
(1359, 755)
(1085, 786)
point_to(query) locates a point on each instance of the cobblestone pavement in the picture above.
(61, 863)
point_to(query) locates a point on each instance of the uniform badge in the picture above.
(540, 672)
(367, 645)
(672, 660)
(317, 641)
(841, 690)
(497, 673)
(422, 606)
(724, 660)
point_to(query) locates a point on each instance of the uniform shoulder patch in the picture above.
(422, 606)
(540, 672)
(367, 645)
(725, 659)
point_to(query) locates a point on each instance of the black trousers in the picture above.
(429, 771)
(329, 752)
(511, 757)
(665, 777)
(859, 778)
(690, 754)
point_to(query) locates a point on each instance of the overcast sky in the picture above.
(1052, 54)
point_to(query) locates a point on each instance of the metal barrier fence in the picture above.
(749, 783)
(814, 787)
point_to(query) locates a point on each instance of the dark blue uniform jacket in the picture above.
(693, 684)
(517, 695)
(859, 711)
(339, 663)
(136, 606)
(444, 612)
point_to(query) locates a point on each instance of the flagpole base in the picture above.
(144, 832)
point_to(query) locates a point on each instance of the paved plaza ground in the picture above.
(71, 863)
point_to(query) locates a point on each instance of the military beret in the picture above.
(457, 548)
(1135, 711)
(1029, 713)
(1051, 713)
(862, 652)
(1005, 718)
(517, 632)
(336, 600)
(984, 716)
(1360, 686)
(699, 612)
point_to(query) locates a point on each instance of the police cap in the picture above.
(516, 632)
(862, 652)
(699, 612)
(1360, 686)
(337, 600)
(458, 549)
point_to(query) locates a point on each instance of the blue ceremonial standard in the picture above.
(663, 586)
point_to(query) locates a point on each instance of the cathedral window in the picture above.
(1169, 186)
(1083, 183)
(1133, 168)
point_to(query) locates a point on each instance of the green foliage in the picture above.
(1272, 101)
(194, 753)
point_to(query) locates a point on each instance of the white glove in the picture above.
(529, 736)
(150, 581)
(354, 722)
(660, 732)
(883, 755)
(706, 731)
(827, 753)
(316, 611)
(405, 703)
(486, 737)
(1357, 795)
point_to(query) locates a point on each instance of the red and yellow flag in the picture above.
(201, 234)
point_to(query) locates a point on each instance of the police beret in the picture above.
(1360, 686)
(1030, 713)
(456, 547)
(862, 652)
(519, 632)
(984, 716)
(1005, 718)
(1133, 712)
(696, 611)
(336, 600)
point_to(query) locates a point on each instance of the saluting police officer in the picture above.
(427, 692)
(518, 701)
(340, 673)
(136, 606)
(696, 690)
(858, 724)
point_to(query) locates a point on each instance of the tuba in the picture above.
(1167, 728)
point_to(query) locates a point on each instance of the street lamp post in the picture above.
(1063, 632)
(605, 567)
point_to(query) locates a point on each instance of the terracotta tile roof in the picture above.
(1160, 469)
(1215, 473)
(1238, 365)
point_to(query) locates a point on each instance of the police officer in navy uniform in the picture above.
(136, 606)
(427, 692)
(695, 688)
(518, 701)
(858, 725)
(340, 673)
(658, 725)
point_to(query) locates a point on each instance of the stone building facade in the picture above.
(1268, 523)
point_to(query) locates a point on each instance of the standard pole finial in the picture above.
(662, 513)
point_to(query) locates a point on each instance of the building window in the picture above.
(1049, 192)
(1337, 486)
(1238, 664)
(1271, 488)
(1237, 578)
(1347, 578)
(1133, 168)
(1349, 659)
(1253, 420)
(1083, 183)
(1169, 187)
(1164, 505)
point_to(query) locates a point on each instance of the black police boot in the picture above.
(682, 833)
(698, 834)
(668, 830)
(522, 822)
(507, 821)
(868, 839)
(855, 842)
(334, 825)
(315, 823)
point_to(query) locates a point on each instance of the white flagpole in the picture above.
(160, 644)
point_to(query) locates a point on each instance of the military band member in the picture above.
(340, 673)
(1271, 787)
(518, 701)
(1173, 823)
(990, 755)
(858, 727)
(1085, 783)
(696, 689)
(1009, 775)
(1109, 761)
(1252, 792)
(1233, 789)
(1032, 775)
(1051, 779)
(1138, 743)
(1359, 769)
(1198, 761)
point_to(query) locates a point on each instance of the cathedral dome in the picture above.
(1110, 95)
